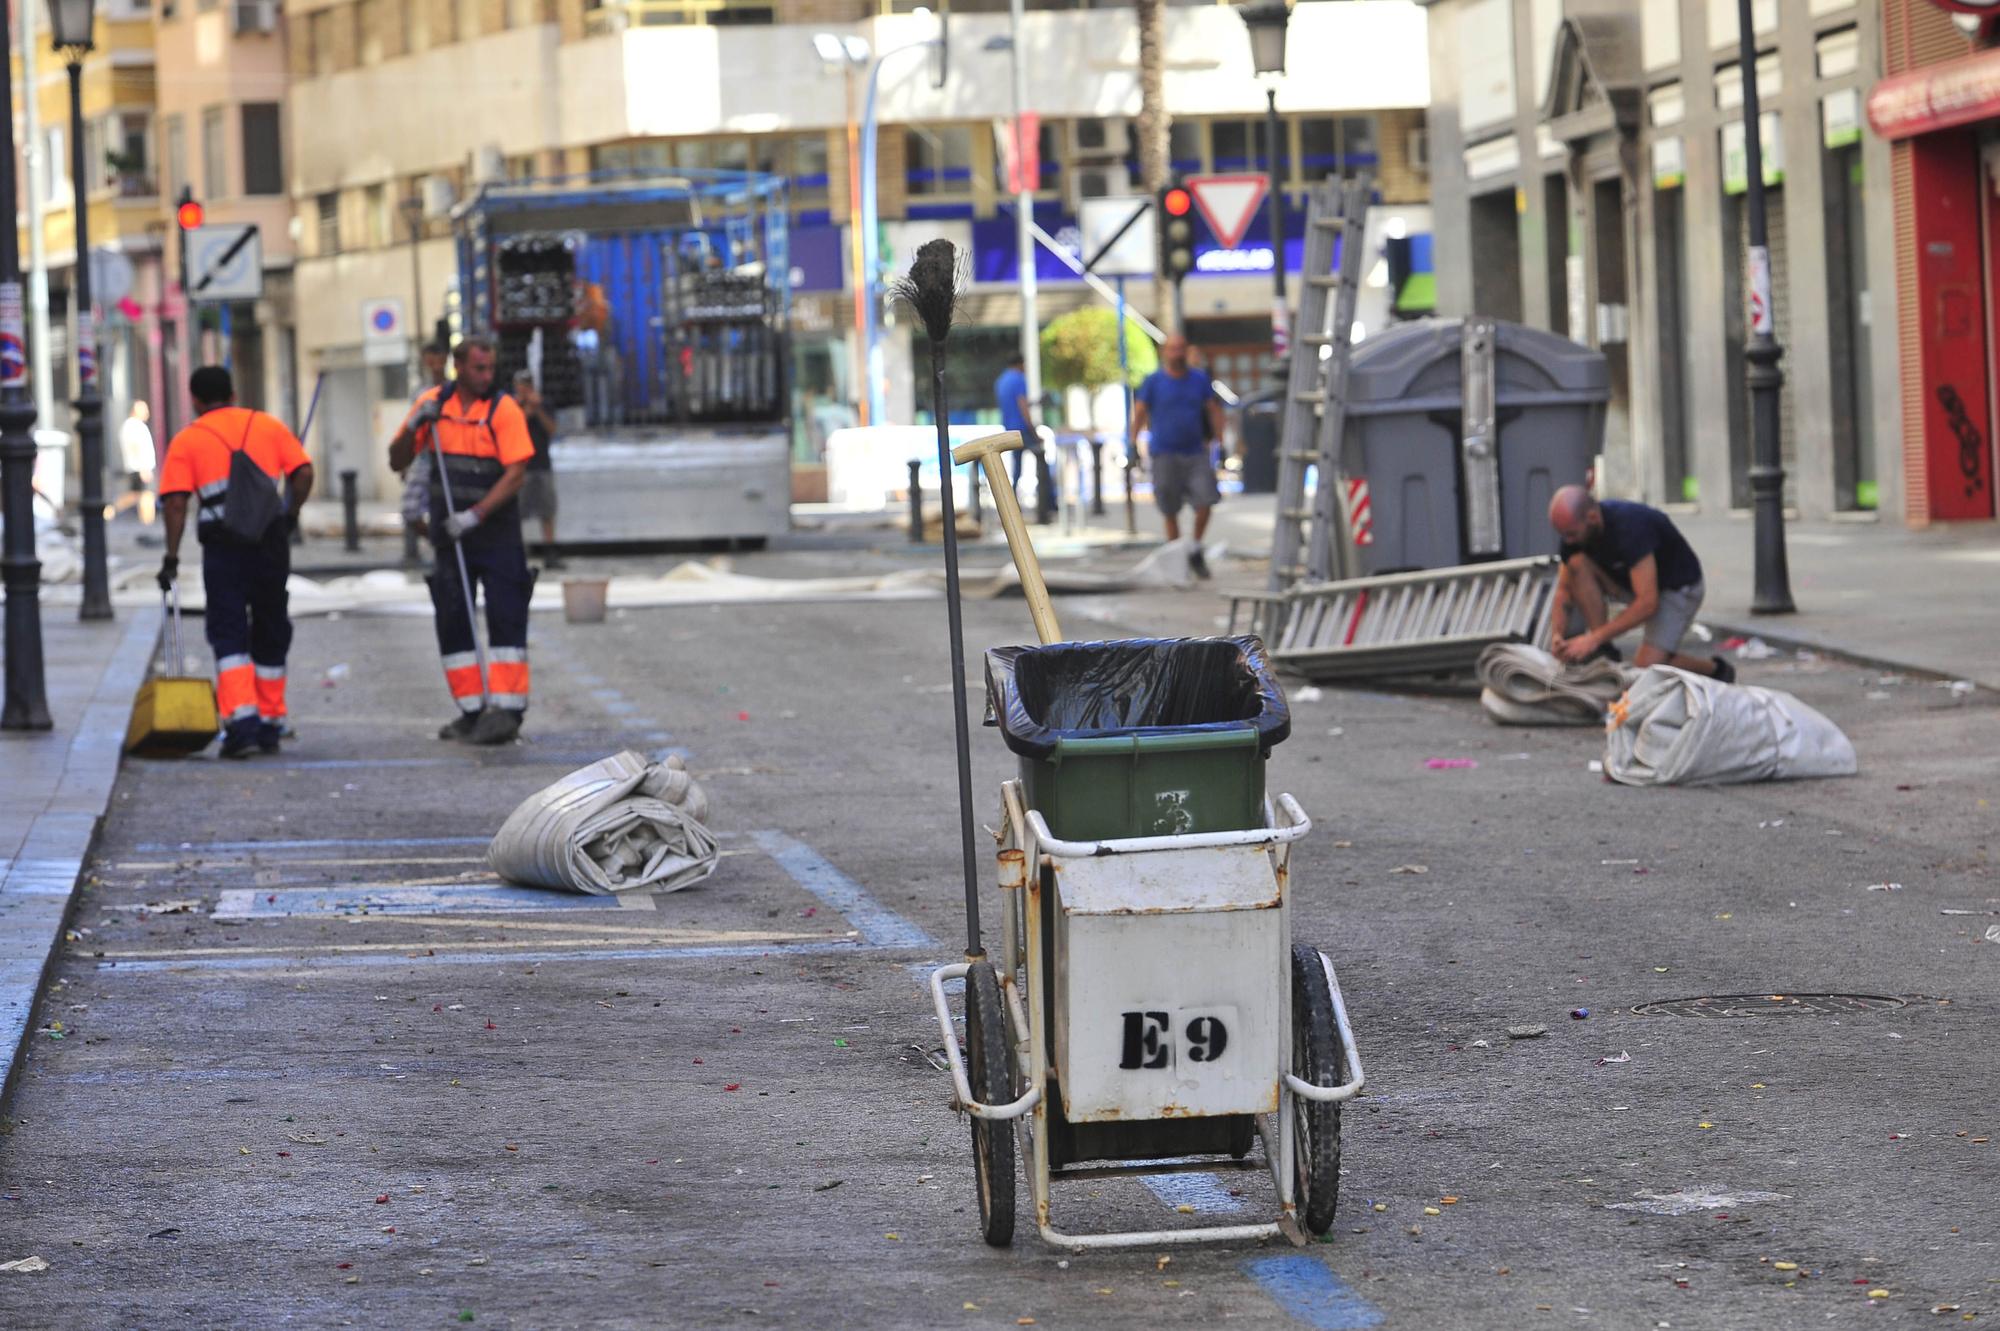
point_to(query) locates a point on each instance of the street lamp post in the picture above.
(27, 703)
(871, 241)
(847, 54)
(1266, 20)
(1772, 593)
(70, 30)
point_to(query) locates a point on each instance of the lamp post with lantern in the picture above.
(27, 702)
(72, 33)
(1266, 21)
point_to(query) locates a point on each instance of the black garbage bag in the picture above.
(1038, 695)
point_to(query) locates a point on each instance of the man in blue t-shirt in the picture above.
(1174, 403)
(1613, 550)
(1010, 392)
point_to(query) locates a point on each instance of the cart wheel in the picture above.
(1316, 1059)
(991, 1058)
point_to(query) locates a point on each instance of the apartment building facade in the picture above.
(1589, 177)
(398, 111)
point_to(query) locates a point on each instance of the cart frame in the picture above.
(1026, 847)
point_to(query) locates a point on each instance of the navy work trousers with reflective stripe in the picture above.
(497, 565)
(247, 623)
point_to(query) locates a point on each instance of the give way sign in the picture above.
(1227, 204)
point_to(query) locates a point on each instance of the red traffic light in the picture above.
(1177, 202)
(189, 215)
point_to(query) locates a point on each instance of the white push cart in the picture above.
(1149, 1013)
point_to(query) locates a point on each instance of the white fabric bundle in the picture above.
(616, 825)
(1526, 686)
(1673, 728)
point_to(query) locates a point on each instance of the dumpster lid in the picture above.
(1136, 686)
(1415, 367)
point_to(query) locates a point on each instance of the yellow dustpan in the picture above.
(174, 714)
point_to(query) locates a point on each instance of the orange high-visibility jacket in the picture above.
(197, 460)
(494, 427)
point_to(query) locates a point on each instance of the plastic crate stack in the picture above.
(536, 290)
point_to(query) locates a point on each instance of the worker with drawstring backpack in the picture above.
(473, 441)
(250, 477)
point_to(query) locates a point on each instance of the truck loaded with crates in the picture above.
(652, 312)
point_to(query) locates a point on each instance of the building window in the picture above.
(176, 156)
(380, 229)
(214, 154)
(329, 223)
(125, 155)
(319, 42)
(938, 161)
(263, 150)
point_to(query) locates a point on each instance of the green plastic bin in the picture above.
(1142, 737)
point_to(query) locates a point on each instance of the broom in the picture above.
(931, 291)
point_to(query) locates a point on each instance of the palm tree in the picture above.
(1153, 118)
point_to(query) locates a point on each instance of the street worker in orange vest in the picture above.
(249, 477)
(479, 436)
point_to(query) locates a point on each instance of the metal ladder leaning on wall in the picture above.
(1310, 542)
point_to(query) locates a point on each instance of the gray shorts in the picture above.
(1669, 624)
(1180, 479)
(538, 496)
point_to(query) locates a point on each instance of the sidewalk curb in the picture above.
(36, 887)
(1816, 642)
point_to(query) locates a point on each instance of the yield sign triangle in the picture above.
(1227, 204)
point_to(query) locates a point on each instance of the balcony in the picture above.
(617, 16)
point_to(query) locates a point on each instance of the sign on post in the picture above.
(1227, 203)
(385, 339)
(225, 263)
(1118, 235)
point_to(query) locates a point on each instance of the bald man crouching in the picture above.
(1613, 550)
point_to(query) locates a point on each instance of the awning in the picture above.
(1957, 92)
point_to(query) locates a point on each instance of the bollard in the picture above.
(350, 509)
(916, 503)
(1097, 478)
(1131, 513)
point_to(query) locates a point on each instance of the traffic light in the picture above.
(1176, 233)
(188, 214)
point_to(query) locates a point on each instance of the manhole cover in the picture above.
(1771, 1005)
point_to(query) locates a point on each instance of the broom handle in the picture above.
(961, 733)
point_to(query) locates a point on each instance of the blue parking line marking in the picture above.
(1204, 1192)
(257, 903)
(878, 925)
(1311, 1295)
(280, 961)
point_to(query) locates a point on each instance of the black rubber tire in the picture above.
(989, 1057)
(1318, 1060)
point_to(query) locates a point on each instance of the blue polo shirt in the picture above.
(1176, 406)
(1010, 388)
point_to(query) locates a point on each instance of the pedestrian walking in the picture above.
(538, 491)
(1177, 403)
(1010, 393)
(473, 441)
(142, 461)
(250, 477)
(1616, 551)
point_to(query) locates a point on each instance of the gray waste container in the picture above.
(1449, 486)
(1257, 424)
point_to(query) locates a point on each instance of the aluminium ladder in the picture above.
(1309, 543)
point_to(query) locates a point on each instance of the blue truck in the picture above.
(652, 310)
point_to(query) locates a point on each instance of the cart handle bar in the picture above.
(1351, 1088)
(960, 1085)
(1295, 826)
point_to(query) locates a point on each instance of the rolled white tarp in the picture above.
(1673, 728)
(1526, 686)
(620, 824)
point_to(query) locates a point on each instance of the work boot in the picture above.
(268, 735)
(460, 726)
(1198, 564)
(239, 740)
(496, 725)
(1724, 671)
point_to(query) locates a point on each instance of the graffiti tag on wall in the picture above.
(1971, 448)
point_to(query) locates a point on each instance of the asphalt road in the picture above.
(352, 1084)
